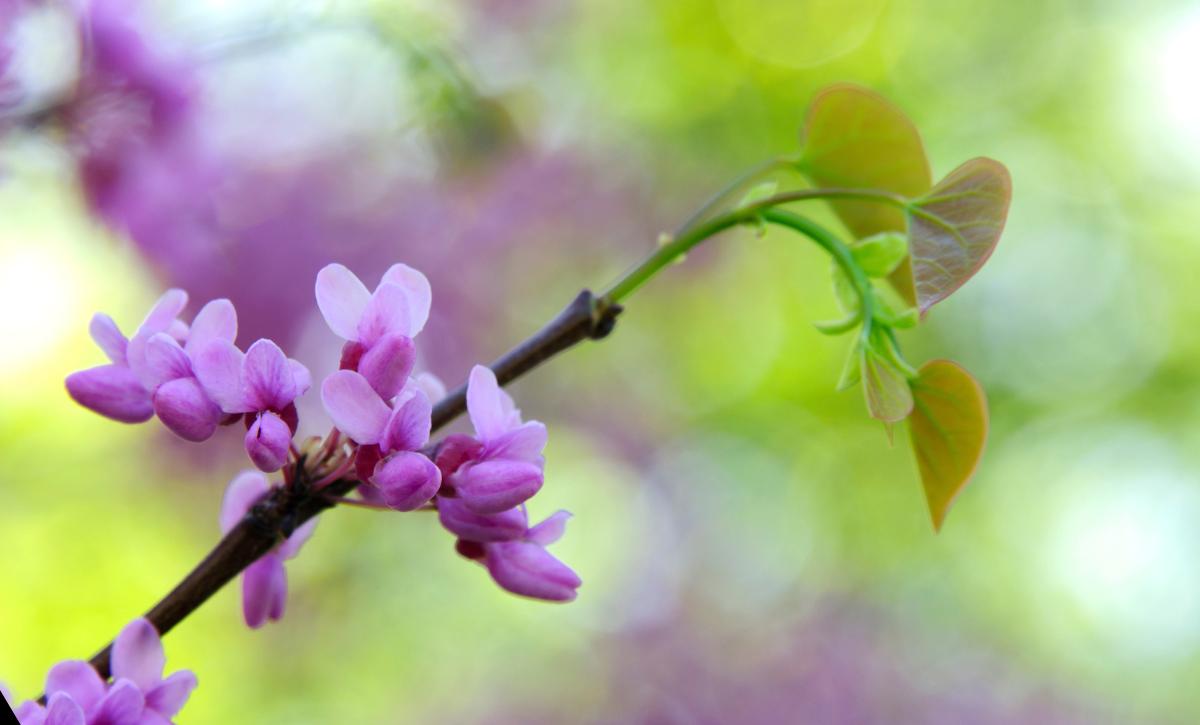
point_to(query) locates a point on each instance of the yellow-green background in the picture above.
(728, 503)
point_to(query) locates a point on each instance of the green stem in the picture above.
(753, 174)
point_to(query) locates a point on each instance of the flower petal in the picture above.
(342, 297)
(137, 654)
(113, 391)
(410, 422)
(267, 442)
(291, 545)
(489, 487)
(416, 289)
(243, 492)
(163, 313)
(355, 407)
(406, 480)
(186, 410)
(77, 679)
(388, 363)
(31, 713)
(466, 524)
(433, 386)
(215, 321)
(491, 409)
(264, 587)
(109, 337)
(165, 361)
(123, 705)
(386, 313)
(218, 367)
(524, 443)
(170, 695)
(62, 710)
(550, 529)
(268, 380)
(529, 570)
(300, 376)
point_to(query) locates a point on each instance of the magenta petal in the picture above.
(169, 696)
(186, 410)
(491, 409)
(529, 570)
(108, 336)
(165, 361)
(112, 391)
(62, 710)
(386, 314)
(291, 545)
(416, 290)
(137, 654)
(466, 524)
(215, 321)
(243, 492)
(387, 364)
(267, 442)
(218, 367)
(123, 705)
(341, 298)
(524, 443)
(550, 529)
(264, 586)
(77, 679)
(355, 407)
(406, 481)
(489, 487)
(455, 451)
(268, 381)
(410, 422)
(31, 713)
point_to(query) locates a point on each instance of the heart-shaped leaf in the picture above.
(888, 396)
(949, 425)
(853, 137)
(953, 229)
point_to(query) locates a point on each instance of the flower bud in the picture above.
(185, 409)
(388, 363)
(267, 441)
(529, 570)
(406, 481)
(489, 487)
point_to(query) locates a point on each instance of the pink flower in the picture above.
(264, 583)
(514, 555)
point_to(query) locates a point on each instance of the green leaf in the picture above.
(758, 192)
(852, 368)
(853, 137)
(954, 228)
(949, 425)
(879, 254)
(839, 327)
(886, 388)
(844, 291)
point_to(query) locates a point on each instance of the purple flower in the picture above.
(515, 556)
(262, 384)
(138, 695)
(504, 466)
(388, 436)
(264, 583)
(151, 373)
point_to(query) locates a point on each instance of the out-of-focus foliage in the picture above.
(749, 544)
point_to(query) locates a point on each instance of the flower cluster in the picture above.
(137, 695)
(195, 379)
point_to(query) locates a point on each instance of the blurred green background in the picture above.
(752, 548)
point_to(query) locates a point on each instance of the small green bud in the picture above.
(880, 254)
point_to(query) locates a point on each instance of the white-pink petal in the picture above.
(218, 367)
(491, 409)
(164, 312)
(244, 491)
(550, 530)
(291, 545)
(268, 379)
(137, 655)
(215, 321)
(416, 289)
(523, 443)
(386, 313)
(341, 297)
(109, 337)
(165, 360)
(355, 407)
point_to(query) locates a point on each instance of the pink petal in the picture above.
(491, 409)
(409, 425)
(490, 487)
(165, 361)
(137, 654)
(77, 679)
(215, 321)
(268, 380)
(431, 384)
(169, 697)
(407, 481)
(355, 407)
(416, 289)
(123, 705)
(244, 491)
(291, 545)
(112, 391)
(466, 524)
(267, 442)
(164, 312)
(31, 713)
(341, 298)
(186, 410)
(62, 710)
(218, 367)
(529, 570)
(388, 363)
(108, 336)
(386, 314)
(524, 443)
(301, 377)
(550, 530)
(264, 587)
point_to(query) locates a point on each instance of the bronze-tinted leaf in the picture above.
(953, 229)
(853, 137)
(888, 396)
(949, 425)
